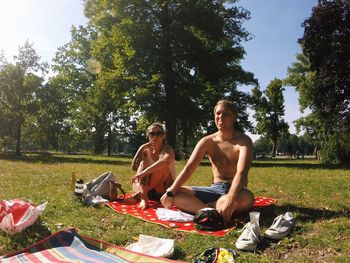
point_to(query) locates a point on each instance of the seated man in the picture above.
(230, 153)
(154, 163)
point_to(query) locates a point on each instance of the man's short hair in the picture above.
(227, 105)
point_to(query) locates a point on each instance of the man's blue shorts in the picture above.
(208, 194)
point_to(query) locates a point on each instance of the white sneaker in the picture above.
(281, 226)
(250, 237)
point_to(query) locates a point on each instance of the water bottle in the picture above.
(79, 188)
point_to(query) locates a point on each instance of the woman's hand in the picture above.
(138, 177)
(148, 145)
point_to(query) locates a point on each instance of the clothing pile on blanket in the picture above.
(99, 191)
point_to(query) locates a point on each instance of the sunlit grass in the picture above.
(318, 195)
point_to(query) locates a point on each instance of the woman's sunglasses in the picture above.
(156, 133)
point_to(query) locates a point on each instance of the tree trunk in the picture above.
(99, 141)
(18, 137)
(56, 140)
(169, 81)
(185, 140)
(274, 146)
(109, 139)
(170, 116)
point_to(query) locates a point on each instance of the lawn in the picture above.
(318, 195)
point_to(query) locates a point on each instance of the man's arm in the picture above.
(245, 158)
(197, 155)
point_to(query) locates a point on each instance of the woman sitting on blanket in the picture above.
(154, 163)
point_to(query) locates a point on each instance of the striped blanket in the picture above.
(68, 246)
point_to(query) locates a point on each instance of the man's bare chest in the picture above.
(224, 154)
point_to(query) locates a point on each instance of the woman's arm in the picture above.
(138, 156)
(165, 161)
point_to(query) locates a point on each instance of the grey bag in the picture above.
(103, 186)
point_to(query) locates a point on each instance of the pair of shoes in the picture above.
(281, 226)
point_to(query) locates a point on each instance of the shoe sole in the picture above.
(277, 235)
(246, 247)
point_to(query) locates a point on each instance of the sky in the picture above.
(274, 24)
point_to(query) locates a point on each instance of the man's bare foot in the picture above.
(143, 204)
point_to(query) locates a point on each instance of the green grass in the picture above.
(318, 195)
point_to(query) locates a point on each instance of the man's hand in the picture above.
(167, 201)
(226, 207)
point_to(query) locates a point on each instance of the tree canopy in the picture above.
(171, 60)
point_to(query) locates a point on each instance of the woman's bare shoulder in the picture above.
(167, 148)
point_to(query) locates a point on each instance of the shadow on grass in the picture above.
(49, 158)
(304, 214)
(298, 164)
(287, 163)
(178, 254)
(30, 235)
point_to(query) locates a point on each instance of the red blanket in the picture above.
(149, 215)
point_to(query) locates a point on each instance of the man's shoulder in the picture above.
(208, 138)
(205, 142)
(244, 139)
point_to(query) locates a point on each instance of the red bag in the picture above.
(16, 215)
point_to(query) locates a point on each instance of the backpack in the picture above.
(105, 186)
(208, 219)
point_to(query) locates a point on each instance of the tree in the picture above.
(93, 108)
(53, 116)
(269, 112)
(326, 46)
(164, 58)
(262, 147)
(19, 86)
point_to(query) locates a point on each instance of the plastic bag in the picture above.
(16, 215)
(153, 246)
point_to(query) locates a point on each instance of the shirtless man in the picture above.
(230, 153)
(154, 164)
